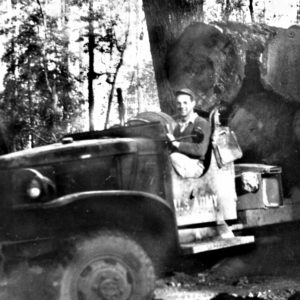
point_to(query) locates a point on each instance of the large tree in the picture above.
(166, 21)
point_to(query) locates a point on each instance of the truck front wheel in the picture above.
(109, 266)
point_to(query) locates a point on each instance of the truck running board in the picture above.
(215, 244)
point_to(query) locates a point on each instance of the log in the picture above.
(206, 61)
(267, 127)
(253, 70)
(212, 59)
(281, 63)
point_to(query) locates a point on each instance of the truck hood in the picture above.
(72, 150)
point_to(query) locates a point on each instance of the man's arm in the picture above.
(197, 149)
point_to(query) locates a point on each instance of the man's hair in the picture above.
(186, 91)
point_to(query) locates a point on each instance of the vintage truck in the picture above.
(112, 203)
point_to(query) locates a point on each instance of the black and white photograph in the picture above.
(149, 150)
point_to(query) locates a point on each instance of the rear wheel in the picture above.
(108, 267)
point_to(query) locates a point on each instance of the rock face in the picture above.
(253, 71)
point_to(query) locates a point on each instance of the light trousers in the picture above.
(185, 166)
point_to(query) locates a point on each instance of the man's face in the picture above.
(185, 105)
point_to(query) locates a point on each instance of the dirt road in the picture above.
(36, 282)
(183, 286)
(31, 282)
(270, 270)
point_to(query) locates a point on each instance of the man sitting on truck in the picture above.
(191, 137)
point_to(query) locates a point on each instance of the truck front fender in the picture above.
(146, 217)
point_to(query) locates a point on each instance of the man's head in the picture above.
(185, 102)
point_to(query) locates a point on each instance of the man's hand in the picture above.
(172, 140)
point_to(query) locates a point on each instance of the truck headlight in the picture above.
(31, 185)
(34, 189)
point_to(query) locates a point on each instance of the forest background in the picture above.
(67, 64)
(64, 63)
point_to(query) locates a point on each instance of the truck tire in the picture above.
(154, 116)
(109, 266)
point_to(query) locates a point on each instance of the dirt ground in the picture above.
(201, 287)
(38, 281)
(269, 269)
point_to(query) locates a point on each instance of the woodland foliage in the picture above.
(40, 95)
(63, 59)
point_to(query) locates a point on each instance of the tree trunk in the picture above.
(31, 117)
(298, 13)
(65, 58)
(137, 53)
(91, 47)
(166, 20)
